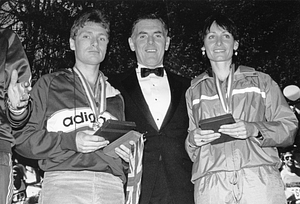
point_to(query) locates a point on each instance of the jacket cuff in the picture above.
(68, 141)
(19, 121)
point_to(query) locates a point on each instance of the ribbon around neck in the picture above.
(96, 98)
(225, 98)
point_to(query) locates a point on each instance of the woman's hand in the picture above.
(241, 129)
(200, 137)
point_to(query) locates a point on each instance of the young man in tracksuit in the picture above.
(68, 107)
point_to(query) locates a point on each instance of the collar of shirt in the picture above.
(157, 94)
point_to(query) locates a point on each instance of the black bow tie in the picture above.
(159, 71)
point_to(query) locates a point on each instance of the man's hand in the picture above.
(124, 152)
(87, 142)
(18, 93)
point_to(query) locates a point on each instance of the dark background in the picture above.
(270, 33)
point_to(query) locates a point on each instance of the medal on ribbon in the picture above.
(96, 98)
(225, 97)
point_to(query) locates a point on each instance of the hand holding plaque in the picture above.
(114, 129)
(214, 124)
(117, 133)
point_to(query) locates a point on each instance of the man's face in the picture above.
(288, 159)
(90, 44)
(149, 42)
(219, 44)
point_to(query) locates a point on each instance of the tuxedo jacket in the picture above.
(164, 145)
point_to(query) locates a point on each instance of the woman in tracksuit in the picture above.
(244, 168)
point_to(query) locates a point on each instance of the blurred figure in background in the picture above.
(27, 179)
(290, 175)
(19, 174)
(15, 76)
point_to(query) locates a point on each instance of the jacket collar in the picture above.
(240, 72)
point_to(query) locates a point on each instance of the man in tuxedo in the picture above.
(155, 100)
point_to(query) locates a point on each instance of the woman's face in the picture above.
(219, 44)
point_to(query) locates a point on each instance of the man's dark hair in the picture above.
(149, 17)
(90, 15)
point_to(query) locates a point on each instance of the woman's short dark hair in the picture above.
(222, 21)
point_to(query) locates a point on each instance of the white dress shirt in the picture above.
(156, 91)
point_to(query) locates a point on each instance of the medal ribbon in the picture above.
(97, 98)
(225, 98)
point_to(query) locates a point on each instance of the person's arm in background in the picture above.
(18, 81)
(18, 93)
(13, 59)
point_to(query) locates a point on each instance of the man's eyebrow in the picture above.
(144, 32)
(85, 32)
(90, 33)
